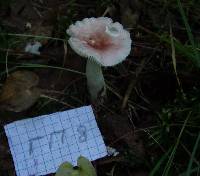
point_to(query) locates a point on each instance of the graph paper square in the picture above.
(39, 145)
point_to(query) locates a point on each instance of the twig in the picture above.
(59, 101)
(7, 63)
(132, 85)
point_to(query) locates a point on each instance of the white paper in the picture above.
(39, 145)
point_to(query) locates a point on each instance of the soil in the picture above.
(148, 72)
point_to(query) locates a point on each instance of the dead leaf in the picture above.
(19, 91)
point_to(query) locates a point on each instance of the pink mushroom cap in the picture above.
(100, 39)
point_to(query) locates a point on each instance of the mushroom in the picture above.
(104, 43)
(33, 48)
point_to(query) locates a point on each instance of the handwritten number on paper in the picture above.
(82, 136)
(82, 133)
(31, 141)
(62, 132)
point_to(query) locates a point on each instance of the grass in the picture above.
(159, 163)
(166, 133)
(172, 155)
(168, 119)
(189, 33)
(189, 168)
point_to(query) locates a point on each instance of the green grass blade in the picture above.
(157, 166)
(32, 36)
(48, 66)
(27, 65)
(174, 55)
(196, 169)
(169, 163)
(189, 32)
(192, 157)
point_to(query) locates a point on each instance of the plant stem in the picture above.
(95, 80)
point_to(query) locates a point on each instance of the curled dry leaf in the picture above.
(19, 91)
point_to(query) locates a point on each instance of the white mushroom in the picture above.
(104, 43)
(33, 48)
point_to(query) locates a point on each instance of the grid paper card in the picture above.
(39, 145)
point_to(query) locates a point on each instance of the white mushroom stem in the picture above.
(95, 80)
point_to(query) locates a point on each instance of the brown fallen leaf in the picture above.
(19, 91)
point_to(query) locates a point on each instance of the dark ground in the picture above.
(145, 108)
